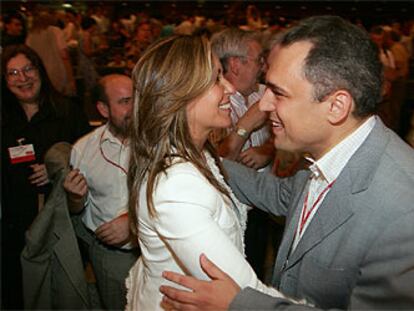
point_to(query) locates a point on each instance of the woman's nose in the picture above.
(22, 76)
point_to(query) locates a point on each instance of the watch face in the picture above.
(242, 132)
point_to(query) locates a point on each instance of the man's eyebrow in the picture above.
(125, 98)
(275, 88)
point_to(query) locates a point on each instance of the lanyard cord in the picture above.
(305, 213)
(108, 160)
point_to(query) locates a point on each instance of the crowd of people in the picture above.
(208, 132)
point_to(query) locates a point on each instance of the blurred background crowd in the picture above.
(81, 40)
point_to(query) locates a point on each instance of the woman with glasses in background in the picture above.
(34, 117)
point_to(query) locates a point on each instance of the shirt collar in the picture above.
(108, 136)
(252, 98)
(331, 164)
(238, 97)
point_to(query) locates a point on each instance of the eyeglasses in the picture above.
(259, 60)
(28, 71)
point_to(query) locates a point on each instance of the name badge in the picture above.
(22, 153)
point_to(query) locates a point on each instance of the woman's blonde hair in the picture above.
(170, 74)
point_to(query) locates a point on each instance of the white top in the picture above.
(328, 168)
(192, 218)
(107, 183)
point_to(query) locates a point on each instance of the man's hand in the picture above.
(255, 157)
(115, 232)
(231, 146)
(216, 294)
(253, 118)
(39, 177)
(76, 188)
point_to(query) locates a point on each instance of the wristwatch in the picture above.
(242, 132)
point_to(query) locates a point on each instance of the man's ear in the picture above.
(340, 106)
(103, 109)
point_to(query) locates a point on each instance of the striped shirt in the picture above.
(239, 107)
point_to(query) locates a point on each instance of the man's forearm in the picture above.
(231, 146)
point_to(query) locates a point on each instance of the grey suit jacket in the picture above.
(53, 274)
(358, 251)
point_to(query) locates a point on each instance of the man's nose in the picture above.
(267, 101)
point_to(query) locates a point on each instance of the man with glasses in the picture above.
(240, 53)
(97, 188)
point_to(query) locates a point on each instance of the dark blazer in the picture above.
(358, 251)
(53, 274)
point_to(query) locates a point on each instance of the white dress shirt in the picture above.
(103, 160)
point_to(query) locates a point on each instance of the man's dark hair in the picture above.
(99, 93)
(342, 57)
(377, 30)
(71, 11)
(395, 36)
(7, 18)
(87, 22)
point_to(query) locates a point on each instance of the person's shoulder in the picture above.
(184, 182)
(400, 156)
(65, 106)
(181, 167)
(55, 29)
(184, 173)
(90, 139)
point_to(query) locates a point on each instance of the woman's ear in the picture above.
(103, 109)
(340, 105)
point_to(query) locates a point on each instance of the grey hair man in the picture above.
(241, 55)
(248, 141)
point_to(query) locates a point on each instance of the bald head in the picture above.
(114, 102)
(107, 83)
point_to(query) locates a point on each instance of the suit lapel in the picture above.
(289, 233)
(337, 207)
(334, 211)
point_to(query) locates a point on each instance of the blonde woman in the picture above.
(180, 204)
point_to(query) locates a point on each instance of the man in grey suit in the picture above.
(349, 237)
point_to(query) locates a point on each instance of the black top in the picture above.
(7, 39)
(63, 121)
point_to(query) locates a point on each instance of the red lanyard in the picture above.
(305, 213)
(108, 160)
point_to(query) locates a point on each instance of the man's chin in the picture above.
(119, 131)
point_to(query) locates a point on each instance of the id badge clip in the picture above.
(22, 153)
